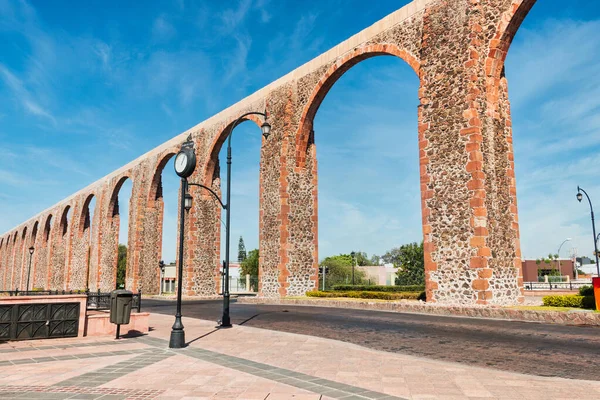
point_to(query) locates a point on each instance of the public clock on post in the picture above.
(185, 161)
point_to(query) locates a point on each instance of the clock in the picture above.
(185, 161)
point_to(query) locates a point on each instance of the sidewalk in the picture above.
(251, 363)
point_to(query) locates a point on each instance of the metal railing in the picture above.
(99, 301)
(18, 292)
(95, 300)
(554, 285)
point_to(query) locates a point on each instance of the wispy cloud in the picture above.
(23, 96)
(233, 17)
(162, 29)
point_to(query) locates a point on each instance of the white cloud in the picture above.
(162, 29)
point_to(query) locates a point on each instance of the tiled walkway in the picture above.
(250, 363)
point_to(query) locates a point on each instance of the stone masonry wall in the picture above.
(470, 224)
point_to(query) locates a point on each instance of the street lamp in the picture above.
(161, 266)
(558, 253)
(31, 250)
(352, 255)
(266, 131)
(185, 164)
(579, 198)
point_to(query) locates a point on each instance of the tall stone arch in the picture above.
(77, 276)
(59, 259)
(109, 235)
(44, 251)
(151, 221)
(468, 195)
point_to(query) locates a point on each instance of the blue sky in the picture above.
(85, 87)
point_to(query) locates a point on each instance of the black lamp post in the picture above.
(266, 130)
(352, 255)
(31, 250)
(579, 198)
(185, 164)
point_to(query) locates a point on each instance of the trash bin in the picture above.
(120, 306)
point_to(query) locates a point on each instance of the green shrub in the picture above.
(369, 295)
(571, 300)
(586, 291)
(379, 288)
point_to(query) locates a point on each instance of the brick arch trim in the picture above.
(505, 32)
(64, 223)
(85, 212)
(47, 229)
(330, 77)
(34, 231)
(24, 234)
(115, 195)
(217, 144)
(153, 193)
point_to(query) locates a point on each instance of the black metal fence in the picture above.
(555, 285)
(95, 300)
(101, 301)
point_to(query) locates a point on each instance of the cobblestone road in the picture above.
(537, 349)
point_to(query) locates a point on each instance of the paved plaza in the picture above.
(251, 363)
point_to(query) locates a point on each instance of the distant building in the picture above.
(169, 279)
(531, 269)
(380, 274)
(584, 260)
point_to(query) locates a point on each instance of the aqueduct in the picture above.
(468, 194)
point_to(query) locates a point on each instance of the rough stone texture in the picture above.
(468, 192)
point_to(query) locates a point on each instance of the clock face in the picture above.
(181, 162)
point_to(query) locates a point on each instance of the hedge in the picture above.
(586, 291)
(370, 295)
(380, 288)
(571, 300)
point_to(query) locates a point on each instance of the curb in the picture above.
(511, 314)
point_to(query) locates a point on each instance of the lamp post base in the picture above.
(177, 340)
(225, 322)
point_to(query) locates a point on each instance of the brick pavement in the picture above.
(251, 363)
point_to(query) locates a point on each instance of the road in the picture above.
(530, 348)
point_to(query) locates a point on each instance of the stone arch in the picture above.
(84, 219)
(212, 164)
(34, 232)
(64, 220)
(113, 205)
(155, 191)
(505, 32)
(60, 244)
(150, 252)
(43, 255)
(110, 235)
(80, 248)
(47, 229)
(333, 74)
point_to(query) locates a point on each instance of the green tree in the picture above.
(241, 250)
(410, 262)
(375, 260)
(362, 259)
(121, 266)
(250, 265)
(339, 271)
